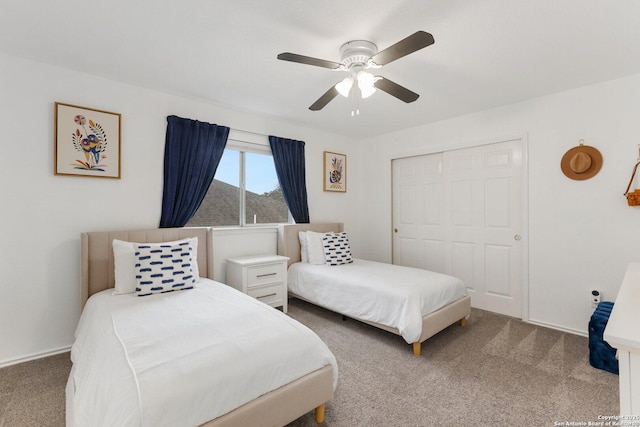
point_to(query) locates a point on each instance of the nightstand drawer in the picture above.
(263, 277)
(263, 274)
(272, 295)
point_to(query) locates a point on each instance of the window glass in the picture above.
(229, 168)
(257, 194)
(264, 201)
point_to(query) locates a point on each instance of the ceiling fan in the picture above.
(357, 56)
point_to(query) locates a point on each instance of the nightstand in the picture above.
(263, 277)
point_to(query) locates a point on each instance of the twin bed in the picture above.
(204, 356)
(216, 357)
(415, 304)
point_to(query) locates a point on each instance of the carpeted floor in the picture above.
(32, 393)
(497, 371)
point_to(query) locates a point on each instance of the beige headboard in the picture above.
(97, 253)
(288, 242)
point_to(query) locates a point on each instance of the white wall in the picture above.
(581, 234)
(43, 215)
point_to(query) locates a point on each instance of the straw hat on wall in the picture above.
(581, 162)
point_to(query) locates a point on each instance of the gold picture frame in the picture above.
(335, 172)
(87, 142)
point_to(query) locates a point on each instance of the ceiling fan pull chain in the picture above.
(355, 111)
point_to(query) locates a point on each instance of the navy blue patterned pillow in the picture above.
(336, 248)
(163, 267)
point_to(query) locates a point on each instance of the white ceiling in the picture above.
(486, 53)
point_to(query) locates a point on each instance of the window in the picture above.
(245, 190)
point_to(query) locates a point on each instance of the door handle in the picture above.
(395, 230)
(517, 237)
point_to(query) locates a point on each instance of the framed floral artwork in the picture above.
(335, 172)
(87, 142)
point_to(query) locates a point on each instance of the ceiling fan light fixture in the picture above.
(344, 87)
(365, 83)
(367, 91)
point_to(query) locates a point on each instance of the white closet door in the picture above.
(460, 213)
(417, 212)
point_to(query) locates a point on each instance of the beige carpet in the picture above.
(32, 393)
(496, 371)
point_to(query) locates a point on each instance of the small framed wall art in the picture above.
(87, 142)
(335, 172)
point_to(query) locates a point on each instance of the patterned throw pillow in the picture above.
(336, 248)
(163, 267)
(124, 262)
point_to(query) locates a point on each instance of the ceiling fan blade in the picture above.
(394, 89)
(324, 99)
(294, 57)
(414, 42)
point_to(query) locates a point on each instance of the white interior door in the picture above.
(417, 212)
(460, 213)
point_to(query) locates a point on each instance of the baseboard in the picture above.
(36, 356)
(558, 328)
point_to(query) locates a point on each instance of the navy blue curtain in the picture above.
(192, 153)
(288, 156)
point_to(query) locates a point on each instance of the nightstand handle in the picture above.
(267, 296)
(266, 275)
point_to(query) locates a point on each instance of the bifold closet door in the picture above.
(460, 213)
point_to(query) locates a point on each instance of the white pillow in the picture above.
(163, 267)
(337, 250)
(315, 248)
(304, 253)
(124, 264)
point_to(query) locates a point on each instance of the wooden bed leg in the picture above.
(463, 322)
(320, 414)
(416, 348)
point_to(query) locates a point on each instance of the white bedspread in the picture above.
(388, 294)
(183, 358)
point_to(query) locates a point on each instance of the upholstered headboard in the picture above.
(97, 253)
(288, 242)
